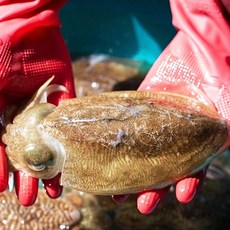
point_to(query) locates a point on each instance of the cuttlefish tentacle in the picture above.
(25, 148)
(41, 96)
(115, 143)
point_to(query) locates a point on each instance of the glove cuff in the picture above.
(17, 19)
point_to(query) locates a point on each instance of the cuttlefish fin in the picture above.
(43, 92)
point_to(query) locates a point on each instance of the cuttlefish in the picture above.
(117, 142)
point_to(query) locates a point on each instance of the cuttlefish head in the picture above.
(25, 148)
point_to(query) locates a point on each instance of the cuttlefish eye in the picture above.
(38, 167)
(38, 157)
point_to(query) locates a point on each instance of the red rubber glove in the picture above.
(196, 63)
(31, 51)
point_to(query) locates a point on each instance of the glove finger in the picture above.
(53, 187)
(4, 174)
(186, 188)
(147, 201)
(120, 198)
(26, 188)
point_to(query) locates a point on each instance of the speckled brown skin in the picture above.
(124, 142)
(114, 143)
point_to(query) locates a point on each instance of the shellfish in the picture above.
(117, 142)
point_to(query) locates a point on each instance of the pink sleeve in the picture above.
(18, 17)
(197, 60)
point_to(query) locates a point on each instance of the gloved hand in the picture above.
(31, 51)
(197, 64)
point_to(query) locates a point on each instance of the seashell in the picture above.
(117, 142)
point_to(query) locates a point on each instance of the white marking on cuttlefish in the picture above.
(120, 135)
(73, 120)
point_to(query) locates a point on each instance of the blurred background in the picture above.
(131, 29)
(112, 43)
